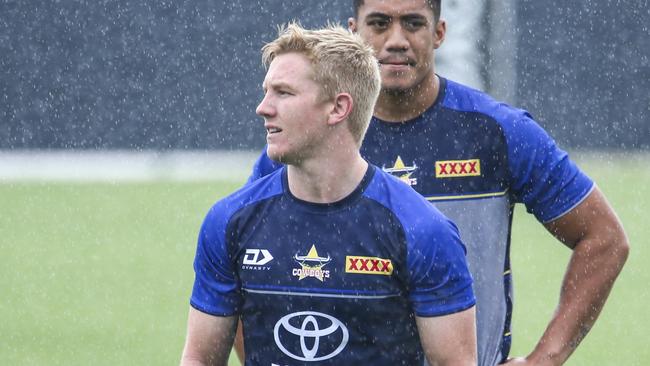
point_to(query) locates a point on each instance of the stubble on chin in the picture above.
(276, 156)
(397, 91)
(283, 158)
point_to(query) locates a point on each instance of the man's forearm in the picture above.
(589, 278)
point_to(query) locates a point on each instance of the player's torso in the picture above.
(458, 161)
(322, 286)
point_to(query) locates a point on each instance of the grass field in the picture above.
(101, 273)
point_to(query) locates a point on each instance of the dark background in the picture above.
(583, 69)
(187, 74)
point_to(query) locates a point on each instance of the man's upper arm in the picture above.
(449, 339)
(593, 219)
(542, 176)
(209, 339)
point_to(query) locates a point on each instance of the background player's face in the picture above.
(295, 114)
(404, 36)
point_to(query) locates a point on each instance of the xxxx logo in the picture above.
(368, 265)
(458, 168)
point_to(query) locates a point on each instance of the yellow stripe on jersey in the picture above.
(466, 196)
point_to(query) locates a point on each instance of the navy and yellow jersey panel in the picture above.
(330, 283)
(474, 158)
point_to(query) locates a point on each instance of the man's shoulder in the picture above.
(419, 219)
(251, 193)
(398, 197)
(462, 98)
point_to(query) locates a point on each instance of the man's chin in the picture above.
(396, 89)
(278, 156)
(274, 155)
(393, 84)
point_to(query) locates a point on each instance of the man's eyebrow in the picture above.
(413, 16)
(408, 16)
(277, 85)
(378, 15)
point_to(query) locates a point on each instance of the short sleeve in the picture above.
(543, 177)
(440, 280)
(216, 290)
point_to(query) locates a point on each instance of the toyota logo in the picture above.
(313, 328)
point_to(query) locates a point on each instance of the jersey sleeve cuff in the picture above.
(214, 310)
(573, 205)
(431, 305)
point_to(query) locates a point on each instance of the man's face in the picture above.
(404, 36)
(295, 115)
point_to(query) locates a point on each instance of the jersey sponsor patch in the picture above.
(458, 168)
(310, 336)
(368, 265)
(256, 259)
(311, 265)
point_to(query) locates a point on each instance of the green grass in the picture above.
(101, 273)
(98, 273)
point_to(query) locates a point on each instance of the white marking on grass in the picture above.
(124, 165)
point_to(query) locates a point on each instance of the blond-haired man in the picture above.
(328, 260)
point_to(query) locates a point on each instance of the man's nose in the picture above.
(397, 41)
(264, 109)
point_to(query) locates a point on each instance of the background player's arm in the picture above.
(209, 339)
(449, 339)
(239, 342)
(600, 248)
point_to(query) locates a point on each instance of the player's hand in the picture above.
(517, 361)
(524, 361)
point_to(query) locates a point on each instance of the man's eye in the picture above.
(380, 24)
(414, 24)
(283, 92)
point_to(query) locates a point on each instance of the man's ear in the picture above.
(341, 109)
(439, 32)
(352, 24)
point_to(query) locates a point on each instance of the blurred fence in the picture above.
(118, 74)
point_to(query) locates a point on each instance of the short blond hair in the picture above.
(342, 63)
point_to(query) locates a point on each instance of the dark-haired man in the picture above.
(474, 158)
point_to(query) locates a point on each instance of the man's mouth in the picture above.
(272, 130)
(393, 62)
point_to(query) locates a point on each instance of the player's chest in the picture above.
(439, 165)
(320, 253)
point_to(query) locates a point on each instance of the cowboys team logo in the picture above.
(402, 171)
(310, 336)
(311, 265)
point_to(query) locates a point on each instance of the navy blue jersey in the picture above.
(475, 158)
(335, 283)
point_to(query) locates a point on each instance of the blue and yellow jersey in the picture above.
(474, 158)
(335, 283)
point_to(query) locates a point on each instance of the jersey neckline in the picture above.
(331, 206)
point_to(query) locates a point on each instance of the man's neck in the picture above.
(406, 105)
(327, 179)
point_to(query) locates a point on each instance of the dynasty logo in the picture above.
(256, 259)
(311, 265)
(402, 171)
